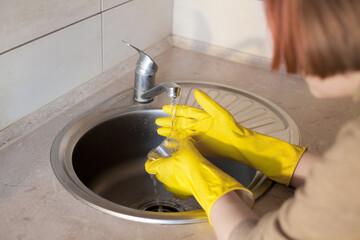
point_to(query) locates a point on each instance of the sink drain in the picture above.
(161, 207)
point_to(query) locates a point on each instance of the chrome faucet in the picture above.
(144, 86)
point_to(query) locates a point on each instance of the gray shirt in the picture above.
(326, 207)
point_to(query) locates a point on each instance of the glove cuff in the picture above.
(276, 158)
(286, 172)
(245, 194)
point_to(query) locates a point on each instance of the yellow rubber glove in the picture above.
(217, 134)
(187, 173)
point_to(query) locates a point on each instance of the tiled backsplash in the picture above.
(140, 25)
(36, 73)
(48, 47)
(24, 20)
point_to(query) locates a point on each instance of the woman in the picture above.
(320, 40)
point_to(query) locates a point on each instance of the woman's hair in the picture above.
(315, 37)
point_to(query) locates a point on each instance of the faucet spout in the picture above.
(144, 89)
(172, 90)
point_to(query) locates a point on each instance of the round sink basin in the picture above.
(100, 157)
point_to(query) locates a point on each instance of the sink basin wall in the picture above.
(100, 157)
(109, 159)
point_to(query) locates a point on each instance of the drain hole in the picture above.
(161, 208)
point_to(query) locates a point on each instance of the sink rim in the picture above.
(95, 116)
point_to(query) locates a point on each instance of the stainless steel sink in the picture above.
(100, 157)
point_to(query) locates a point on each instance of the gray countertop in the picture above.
(34, 205)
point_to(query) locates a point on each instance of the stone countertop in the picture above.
(34, 205)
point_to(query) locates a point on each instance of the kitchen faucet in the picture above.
(144, 86)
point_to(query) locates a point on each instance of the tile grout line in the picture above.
(48, 34)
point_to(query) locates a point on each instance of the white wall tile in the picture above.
(112, 3)
(37, 73)
(140, 22)
(24, 20)
(233, 24)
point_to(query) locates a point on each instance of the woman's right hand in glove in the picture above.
(217, 134)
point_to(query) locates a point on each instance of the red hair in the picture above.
(315, 37)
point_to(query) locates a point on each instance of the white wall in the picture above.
(48, 47)
(233, 24)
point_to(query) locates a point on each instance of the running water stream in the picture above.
(173, 103)
(157, 196)
(166, 149)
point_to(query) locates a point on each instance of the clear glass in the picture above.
(166, 149)
(170, 145)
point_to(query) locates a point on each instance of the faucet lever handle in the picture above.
(141, 52)
(145, 62)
